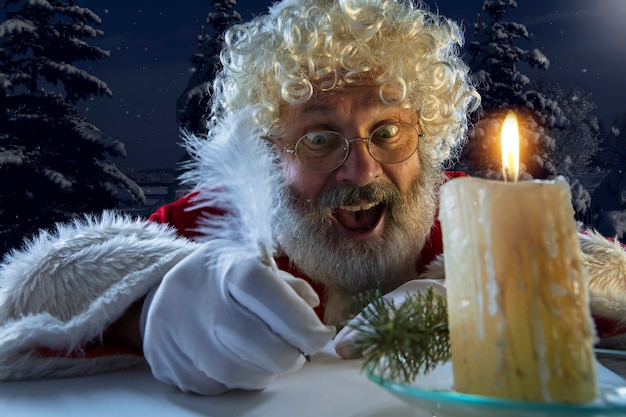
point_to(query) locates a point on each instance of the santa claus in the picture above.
(332, 122)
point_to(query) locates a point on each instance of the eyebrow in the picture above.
(316, 108)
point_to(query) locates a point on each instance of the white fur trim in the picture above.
(65, 288)
(606, 263)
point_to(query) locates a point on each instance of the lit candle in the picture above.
(509, 139)
(520, 324)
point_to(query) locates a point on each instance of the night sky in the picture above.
(150, 46)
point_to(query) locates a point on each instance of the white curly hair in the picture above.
(301, 47)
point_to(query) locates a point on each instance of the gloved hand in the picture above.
(221, 319)
(345, 342)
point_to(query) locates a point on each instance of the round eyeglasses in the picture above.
(325, 151)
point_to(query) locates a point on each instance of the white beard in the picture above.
(346, 267)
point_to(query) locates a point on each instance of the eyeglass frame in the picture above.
(347, 147)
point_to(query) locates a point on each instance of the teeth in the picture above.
(358, 208)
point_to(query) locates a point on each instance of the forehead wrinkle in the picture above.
(315, 108)
(329, 108)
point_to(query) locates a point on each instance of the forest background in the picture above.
(58, 163)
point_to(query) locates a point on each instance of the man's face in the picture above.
(363, 224)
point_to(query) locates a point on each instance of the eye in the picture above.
(388, 131)
(320, 138)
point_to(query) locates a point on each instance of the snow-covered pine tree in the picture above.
(612, 150)
(192, 104)
(578, 141)
(608, 202)
(495, 60)
(53, 162)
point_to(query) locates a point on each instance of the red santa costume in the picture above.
(65, 288)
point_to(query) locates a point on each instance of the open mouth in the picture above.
(359, 218)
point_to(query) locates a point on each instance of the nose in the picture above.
(360, 168)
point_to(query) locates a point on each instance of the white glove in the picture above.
(346, 344)
(221, 319)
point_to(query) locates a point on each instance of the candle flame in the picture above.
(510, 147)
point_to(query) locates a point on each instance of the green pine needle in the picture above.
(401, 342)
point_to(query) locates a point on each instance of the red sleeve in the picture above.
(182, 215)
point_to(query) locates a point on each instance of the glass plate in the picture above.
(433, 395)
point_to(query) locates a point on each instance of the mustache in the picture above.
(348, 195)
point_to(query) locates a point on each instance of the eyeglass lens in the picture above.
(326, 151)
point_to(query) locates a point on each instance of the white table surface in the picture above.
(326, 387)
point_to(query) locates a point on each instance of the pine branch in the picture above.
(401, 342)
